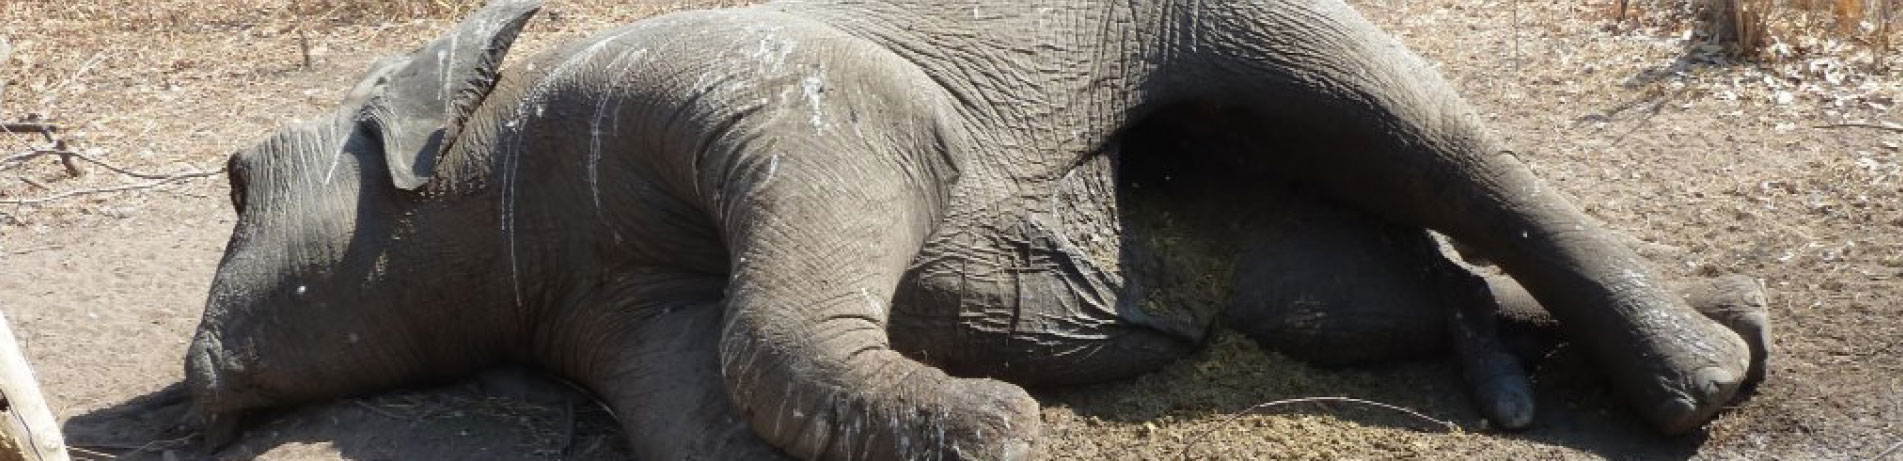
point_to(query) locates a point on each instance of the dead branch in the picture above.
(1882, 126)
(67, 157)
(33, 250)
(29, 127)
(1451, 427)
(1886, 452)
(45, 130)
(379, 411)
(154, 446)
(102, 190)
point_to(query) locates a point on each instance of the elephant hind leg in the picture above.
(1337, 286)
(1333, 286)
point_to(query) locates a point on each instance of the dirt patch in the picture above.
(1717, 165)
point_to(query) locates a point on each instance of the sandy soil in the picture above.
(1718, 165)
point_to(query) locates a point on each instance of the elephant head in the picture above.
(309, 296)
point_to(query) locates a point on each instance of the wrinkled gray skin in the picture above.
(846, 229)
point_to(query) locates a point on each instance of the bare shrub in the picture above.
(1747, 27)
(1738, 24)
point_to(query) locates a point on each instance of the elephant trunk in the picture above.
(1354, 112)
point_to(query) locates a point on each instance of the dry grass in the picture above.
(132, 15)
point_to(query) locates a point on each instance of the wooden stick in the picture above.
(1884, 126)
(148, 185)
(45, 130)
(27, 423)
(29, 127)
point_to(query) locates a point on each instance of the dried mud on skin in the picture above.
(1714, 165)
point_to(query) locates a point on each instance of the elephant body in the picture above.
(849, 229)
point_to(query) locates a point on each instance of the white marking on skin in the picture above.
(772, 167)
(943, 414)
(512, 159)
(594, 152)
(865, 441)
(813, 86)
(443, 63)
(786, 395)
(351, 338)
(872, 304)
(509, 162)
(773, 51)
(1636, 278)
(623, 64)
(336, 155)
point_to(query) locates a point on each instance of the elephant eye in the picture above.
(235, 175)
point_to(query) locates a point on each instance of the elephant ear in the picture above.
(417, 104)
(374, 80)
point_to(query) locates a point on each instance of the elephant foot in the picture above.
(1735, 302)
(1500, 386)
(876, 404)
(898, 410)
(1738, 303)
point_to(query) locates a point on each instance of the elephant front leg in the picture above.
(816, 258)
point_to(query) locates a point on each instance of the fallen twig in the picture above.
(149, 447)
(29, 127)
(1887, 451)
(65, 159)
(95, 454)
(33, 250)
(1883, 126)
(379, 411)
(68, 155)
(43, 129)
(102, 190)
(1451, 427)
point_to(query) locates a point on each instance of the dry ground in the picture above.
(1718, 165)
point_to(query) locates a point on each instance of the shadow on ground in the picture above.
(518, 414)
(503, 414)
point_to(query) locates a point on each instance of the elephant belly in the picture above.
(1054, 294)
